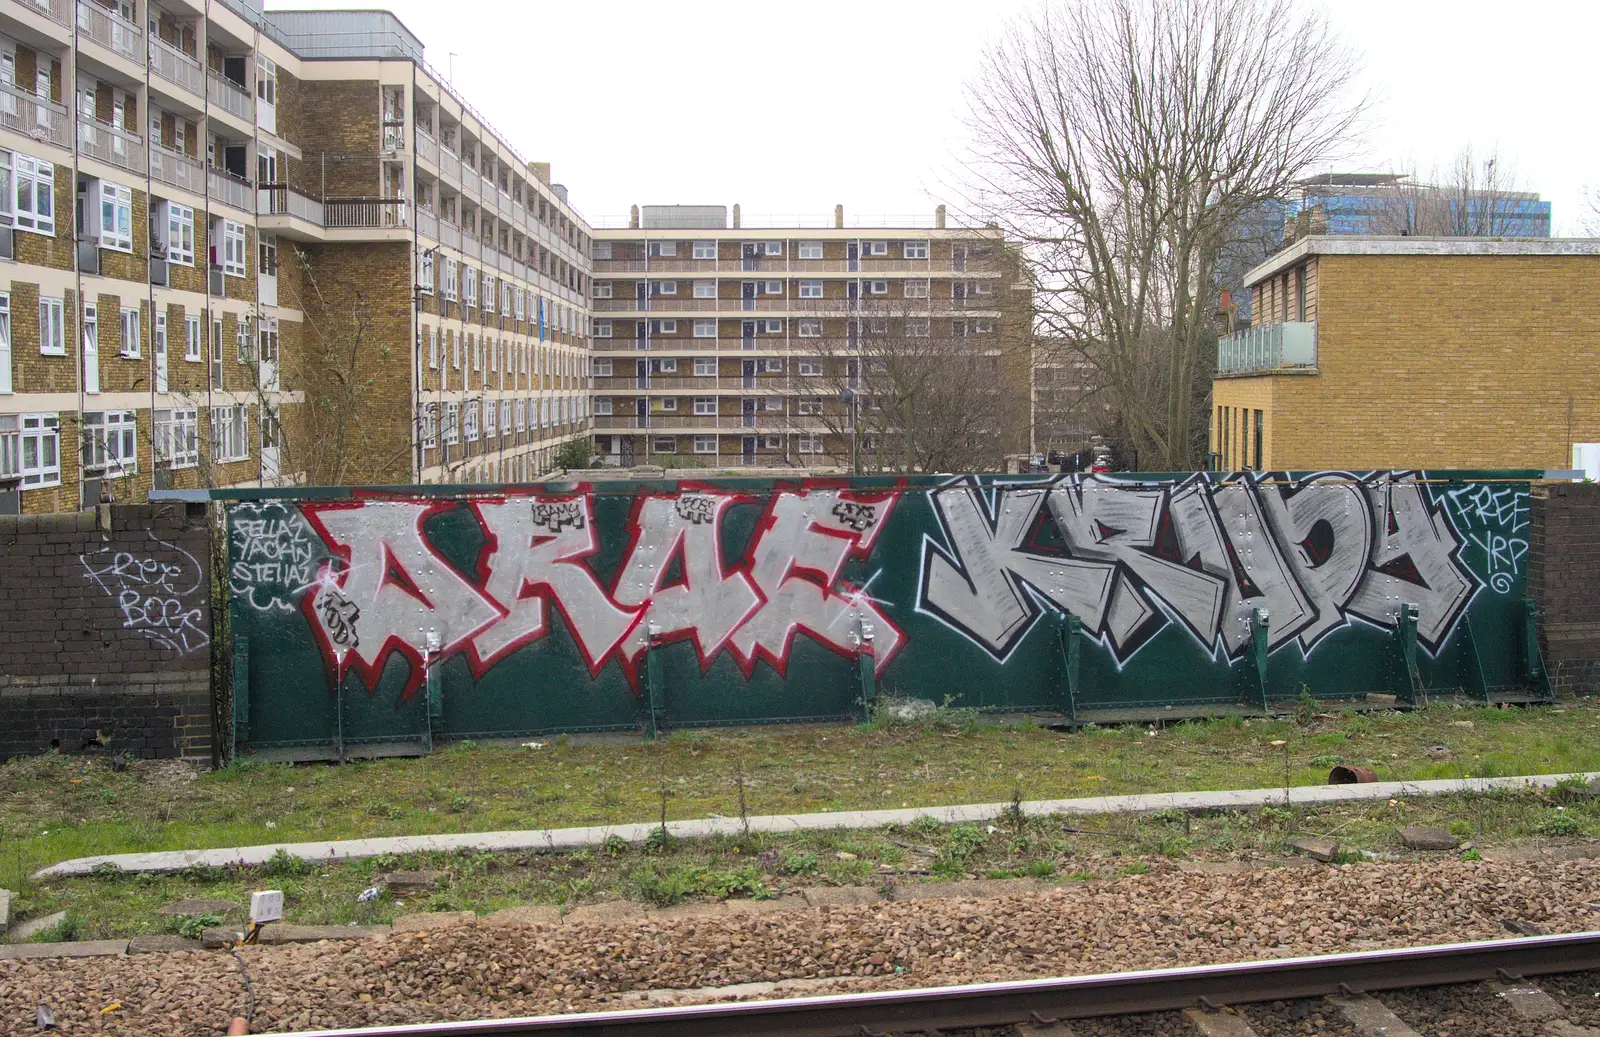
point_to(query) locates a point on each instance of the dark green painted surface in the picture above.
(935, 638)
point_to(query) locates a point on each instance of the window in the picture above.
(705, 289)
(430, 426)
(469, 285)
(770, 365)
(666, 365)
(602, 367)
(663, 327)
(770, 443)
(705, 367)
(664, 288)
(41, 450)
(664, 445)
(916, 249)
(810, 444)
(191, 338)
(772, 327)
(433, 348)
(663, 248)
(488, 418)
(177, 438)
(5, 342)
(425, 272)
(810, 289)
(233, 258)
(450, 267)
(130, 333)
(705, 250)
(601, 290)
(52, 327)
(505, 298)
(705, 444)
(476, 349)
(35, 198)
(110, 442)
(521, 411)
(705, 404)
(505, 417)
(810, 405)
(983, 327)
(230, 433)
(452, 423)
(877, 287)
(772, 287)
(472, 421)
(241, 338)
(773, 248)
(116, 217)
(602, 405)
(602, 329)
(669, 404)
(810, 367)
(916, 289)
(489, 292)
(810, 250)
(773, 403)
(602, 250)
(521, 300)
(705, 329)
(877, 248)
(180, 234)
(809, 328)
(918, 328)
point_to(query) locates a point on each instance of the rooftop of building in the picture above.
(1354, 245)
(647, 220)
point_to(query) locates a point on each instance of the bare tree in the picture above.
(1590, 222)
(1468, 199)
(1124, 141)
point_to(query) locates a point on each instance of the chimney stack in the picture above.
(938, 217)
(633, 218)
(736, 216)
(838, 216)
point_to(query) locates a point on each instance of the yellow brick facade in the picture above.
(1429, 361)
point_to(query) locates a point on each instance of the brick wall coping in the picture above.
(1383, 245)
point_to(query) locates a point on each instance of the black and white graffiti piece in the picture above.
(274, 555)
(1129, 557)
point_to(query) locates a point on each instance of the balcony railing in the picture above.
(174, 66)
(56, 10)
(280, 200)
(108, 30)
(231, 96)
(230, 190)
(367, 213)
(22, 112)
(111, 144)
(1270, 347)
(169, 167)
(427, 147)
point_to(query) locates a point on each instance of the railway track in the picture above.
(1352, 984)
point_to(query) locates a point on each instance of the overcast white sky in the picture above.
(789, 108)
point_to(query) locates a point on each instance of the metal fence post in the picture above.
(241, 694)
(654, 692)
(1068, 628)
(866, 663)
(1258, 653)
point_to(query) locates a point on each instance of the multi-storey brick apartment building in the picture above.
(776, 345)
(238, 247)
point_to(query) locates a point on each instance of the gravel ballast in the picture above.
(1155, 920)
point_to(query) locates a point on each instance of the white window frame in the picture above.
(773, 326)
(34, 200)
(915, 288)
(520, 299)
(664, 327)
(5, 343)
(600, 290)
(705, 289)
(191, 338)
(810, 250)
(433, 347)
(877, 248)
(130, 334)
(665, 365)
(705, 444)
(425, 272)
(470, 422)
(810, 289)
(451, 272)
(234, 262)
(115, 216)
(52, 327)
(452, 422)
(809, 406)
(705, 328)
(664, 445)
(705, 367)
(808, 328)
(602, 329)
(43, 433)
(469, 285)
(666, 249)
(705, 250)
(602, 406)
(705, 405)
(180, 234)
(772, 248)
(177, 437)
(664, 288)
(667, 404)
(602, 366)
(771, 287)
(809, 445)
(809, 368)
(230, 433)
(877, 287)
(111, 442)
(490, 292)
(914, 249)
(600, 250)
(490, 420)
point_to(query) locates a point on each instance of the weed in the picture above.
(925, 824)
(283, 864)
(192, 927)
(65, 931)
(802, 864)
(615, 846)
(1169, 816)
(1305, 709)
(1134, 868)
(658, 841)
(1471, 855)
(460, 804)
(106, 870)
(1559, 823)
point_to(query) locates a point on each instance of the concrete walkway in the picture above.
(561, 839)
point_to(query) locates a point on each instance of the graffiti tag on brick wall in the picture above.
(1130, 558)
(387, 589)
(159, 597)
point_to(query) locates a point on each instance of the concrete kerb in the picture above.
(557, 840)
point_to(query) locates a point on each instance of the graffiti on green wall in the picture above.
(522, 595)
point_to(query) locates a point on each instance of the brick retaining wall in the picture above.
(1564, 579)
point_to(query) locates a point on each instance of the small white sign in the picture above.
(266, 906)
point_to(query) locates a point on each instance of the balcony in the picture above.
(280, 200)
(365, 213)
(111, 145)
(230, 97)
(180, 171)
(41, 119)
(1290, 346)
(230, 190)
(110, 31)
(177, 67)
(427, 147)
(58, 11)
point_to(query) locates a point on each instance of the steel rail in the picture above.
(999, 1004)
